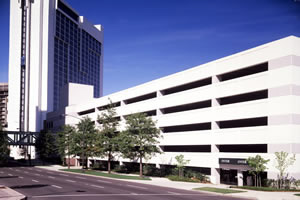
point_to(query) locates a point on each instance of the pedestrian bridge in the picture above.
(16, 138)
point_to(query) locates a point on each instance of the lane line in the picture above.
(79, 177)
(97, 186)
(1, 172)
(17, 170)
(71, 181)
(103, 181)
(56, 186)
(37, 174)
(38, 170)
(10, 175)
(10, 168)
(50, 172)
(137, 187)
(63, 174)
(35, 181)
(51, 177)
(26, 172)
(174, 193)
(21, 177)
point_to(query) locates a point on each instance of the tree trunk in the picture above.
(141, 166)
(108, 163)
(68, 157)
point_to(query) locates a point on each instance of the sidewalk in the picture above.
(164, 182)
(9, 194)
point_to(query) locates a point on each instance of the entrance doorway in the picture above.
(228, 176)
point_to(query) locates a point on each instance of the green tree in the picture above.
(4, 147)
(107, 142)
(46, 146)
(65, 143)
(84, 138)
(258, 165)
(283, 161)
(181, 162)
(140, 138)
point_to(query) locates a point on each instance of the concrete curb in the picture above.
(10, 194)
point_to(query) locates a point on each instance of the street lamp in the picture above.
(82, 153)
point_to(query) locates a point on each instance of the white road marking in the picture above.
(103, 181)
(9, 168)
(1, 172)
(97, 186)
(35, 181)
(51, 177)
(21, 177)
(56, 186)
(137, 187)
(9, 174)
(174, 193)
(64, 175)
(26, 172)
(71, 181)
(37, 174)
(50, 172)
(17, 170)
(80, 177)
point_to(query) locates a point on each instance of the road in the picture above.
(37, 183)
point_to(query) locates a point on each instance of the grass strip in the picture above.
(266, 189)
(98, 173)
(297, 195)
(218, 190)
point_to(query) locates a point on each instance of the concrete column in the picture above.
(215, 148)
(157, 165)
(240, 178)
(215, 176)
(215, 79)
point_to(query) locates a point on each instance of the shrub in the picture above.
(184, 179)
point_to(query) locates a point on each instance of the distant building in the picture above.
(217, 114)
(50, 45)
(3, 104)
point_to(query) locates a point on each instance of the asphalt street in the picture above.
(37, 183)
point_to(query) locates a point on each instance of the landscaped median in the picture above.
(103, 174)
(218, 190)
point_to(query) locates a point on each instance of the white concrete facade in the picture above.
(44, 71)
(39, 60)
(232, 108)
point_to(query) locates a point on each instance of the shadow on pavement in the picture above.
(28, 186)
(8, 176)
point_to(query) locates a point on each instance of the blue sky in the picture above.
(148, 39)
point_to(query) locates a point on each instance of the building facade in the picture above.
(50, 46)
(3, 104)
(218, 114)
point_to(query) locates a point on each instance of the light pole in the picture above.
(82, 153)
